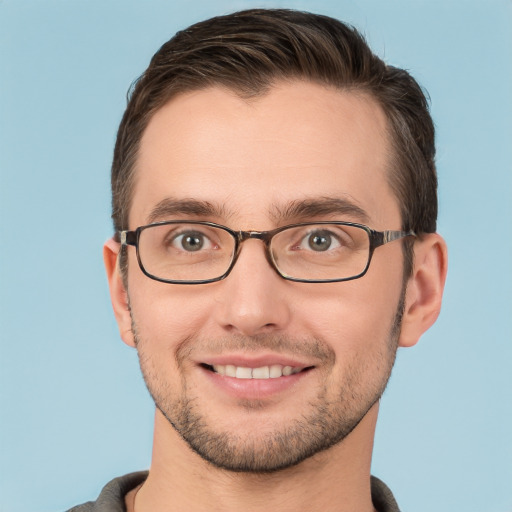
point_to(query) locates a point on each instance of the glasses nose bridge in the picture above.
(264, 236)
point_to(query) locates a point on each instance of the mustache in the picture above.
(311, 347)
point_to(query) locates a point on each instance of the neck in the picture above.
(336, 480)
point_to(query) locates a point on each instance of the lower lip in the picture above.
(254, 388)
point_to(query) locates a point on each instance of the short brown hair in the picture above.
(250, 50)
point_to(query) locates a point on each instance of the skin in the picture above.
(301, 141)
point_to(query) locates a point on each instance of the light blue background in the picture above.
(74, 411)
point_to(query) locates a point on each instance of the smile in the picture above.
(263, 372)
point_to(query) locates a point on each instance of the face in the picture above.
(300, 153)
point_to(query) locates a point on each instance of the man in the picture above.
(274, 201)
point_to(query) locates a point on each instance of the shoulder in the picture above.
(111, 497)
(382, 497)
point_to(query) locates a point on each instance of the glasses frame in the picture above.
(377, 239)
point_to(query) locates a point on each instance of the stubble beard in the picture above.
(328, 422)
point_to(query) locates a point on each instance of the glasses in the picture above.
(195, 252)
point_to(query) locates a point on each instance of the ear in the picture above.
(424, 288)
(118, 293)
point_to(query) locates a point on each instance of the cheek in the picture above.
(164, 314)
(357, 326)
(354, 316)
(167, 319)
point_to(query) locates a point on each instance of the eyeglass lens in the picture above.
(199, 252)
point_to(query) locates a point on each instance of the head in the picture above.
(258, 120)
(248, 52)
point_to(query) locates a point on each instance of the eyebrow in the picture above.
(297, 210)
(170, 207)
(319, 207)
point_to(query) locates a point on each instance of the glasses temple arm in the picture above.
(126, 237)
(383, 237)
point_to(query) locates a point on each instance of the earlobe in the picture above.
(425, 288)
(118, 293)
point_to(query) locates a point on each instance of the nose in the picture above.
(253, 299)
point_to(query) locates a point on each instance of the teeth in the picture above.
(264, 372)
(261, 373)
(221, 369)
(276, 370)
(243, 373)
(287, 370)
(230, 370)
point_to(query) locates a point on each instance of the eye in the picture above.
(320, 241)
(191, 241)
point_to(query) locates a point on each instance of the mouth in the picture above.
(274, 371)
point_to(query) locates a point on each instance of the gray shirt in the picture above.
(111, 498)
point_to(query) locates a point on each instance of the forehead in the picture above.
(251, 158)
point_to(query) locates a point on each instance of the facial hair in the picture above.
(331, 417)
